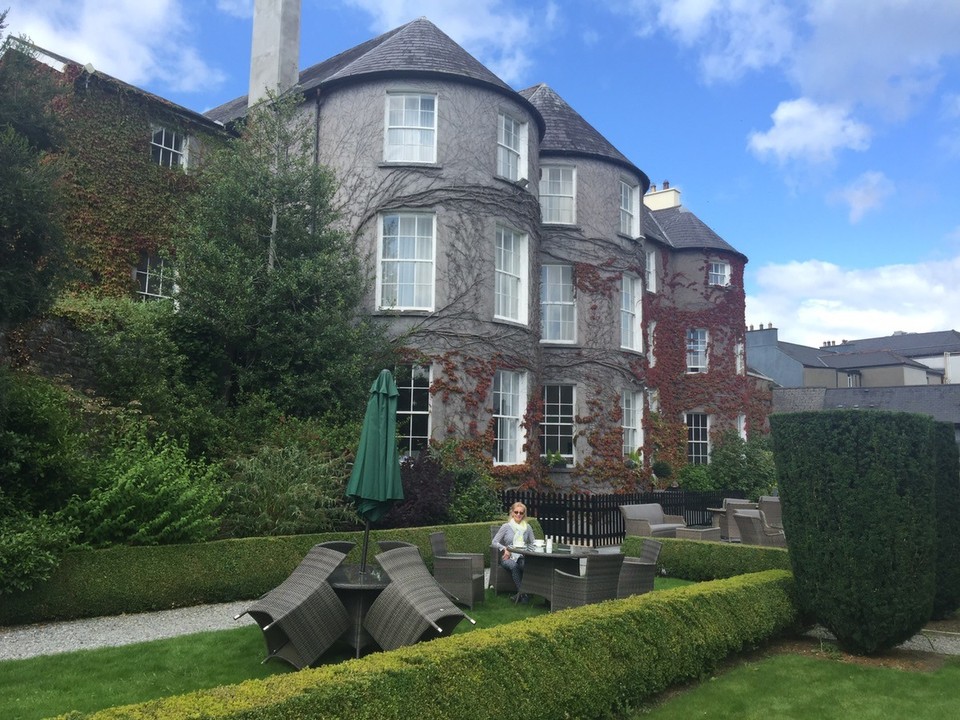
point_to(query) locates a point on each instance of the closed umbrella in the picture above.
(375, 481)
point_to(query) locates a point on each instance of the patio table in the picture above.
(539, 566)
(357, 590)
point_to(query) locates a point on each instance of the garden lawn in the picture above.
(797, 686)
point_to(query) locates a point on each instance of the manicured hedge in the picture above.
(699, 560)
(588, 662)
(858, 506)
(947, 596)
(91, 583)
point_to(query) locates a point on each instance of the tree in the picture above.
(31, 242)
(747, 465)
(269, 291)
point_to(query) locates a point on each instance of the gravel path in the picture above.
(24, 641)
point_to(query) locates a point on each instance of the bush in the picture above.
(30, 546)
(287, 491)
(696, 477)
(474, 497)
(857, 494)
(427, 489)
(947, 597)
(744, 465)
(150, 494)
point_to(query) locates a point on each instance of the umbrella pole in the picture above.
(366, 542)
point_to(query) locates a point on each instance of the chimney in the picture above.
(275, 51)
(666, 184)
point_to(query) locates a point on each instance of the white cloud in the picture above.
(236, 8)
(496, 33)
(804, 130)
(868, 192)
(814, 301)
(138, 41)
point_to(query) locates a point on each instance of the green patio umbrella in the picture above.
(375, 481)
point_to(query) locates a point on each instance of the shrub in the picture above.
(857, 494)
(287, 491)
(150, 494)
(947, 596)
(427, 488)
(744, 465)
(30, 546)
(695, 477)
(474, 497)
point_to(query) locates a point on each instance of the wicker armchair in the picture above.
(388, 545)
(500, 579)
(599, 582)
(459, 574)
(637, 574)
(341, 546)
(754, 529)
(728, 527)
(648, 519)
(770, 505)
(413, 607)
(302, 617)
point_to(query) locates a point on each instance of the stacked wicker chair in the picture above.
(341, 546)
(302, 617)
(500, 579)
(413, 607)
(388, 545)
(754, 529)
(637, 574)
(770, 505)
(599, 582)
(459, 574)
(728, 526)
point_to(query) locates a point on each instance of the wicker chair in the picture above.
(413, 607)
(341, 546)
(648, 519)
(599, 582)
(637, 574)
(459, 574)
(770, 505)
(500, 579)
(388, 545)
(728, 527)
(302, 617)
(754, 529)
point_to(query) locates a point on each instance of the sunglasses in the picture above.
(521, 513)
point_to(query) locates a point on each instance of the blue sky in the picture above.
(821, 138)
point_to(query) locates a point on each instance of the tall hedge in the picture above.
(857, 489)
(947, 597)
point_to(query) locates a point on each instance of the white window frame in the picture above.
(558, 431)
(740, 354)
(511, 276)
(651, 270)
(631, 406)
(718, 273)
(631, 332)
(402, 124)
(629, 206)
(414, 402)
(511, 148)
(419, 265)
(558, 194)
(168, 147)
(651, 335)
(509, 406)
(558, 304)
(698, 350)
(742, 426)
(698, 438)
(156, 277)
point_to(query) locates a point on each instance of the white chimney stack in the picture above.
(275, 52)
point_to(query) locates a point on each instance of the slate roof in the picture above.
(907, 344)
(418, 48)
(568, 134)
(941, 402)
(806, 356)
(685, 231)
(880, 358)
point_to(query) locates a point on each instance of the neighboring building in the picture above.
(939, 350)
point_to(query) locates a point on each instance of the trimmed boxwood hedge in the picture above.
(586, 662)
(699, 560)
(90, 583)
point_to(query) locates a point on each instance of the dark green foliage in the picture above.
(698, 560)
(150, 493)
(31, 545)
(947, 597)
(695, 477)
(662, 469)
(427, 488)
(744, 465)
(474, 496)
(269, 292)
(858, 510)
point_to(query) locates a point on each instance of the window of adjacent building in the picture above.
(853, 379)
(651, 257)
(558, 194)
(741, 358)
(511, 148)
(557, 427)
(413, 408)
(406, 266)
(631, 403)
(630, 332)
(719, 274)
(510, 291)
(742, 426)
(167, 147)
(697, 350)
(509, 404)
(698, 438)
(155, 277)
(558, 309)
(411, 128)
(629, 202)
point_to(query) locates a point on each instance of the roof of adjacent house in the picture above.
(880, 358)
(907, 344)
(568, 134)
(682, 230)
(942, 402)
(418, 48)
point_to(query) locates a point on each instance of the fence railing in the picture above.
(595, 520)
